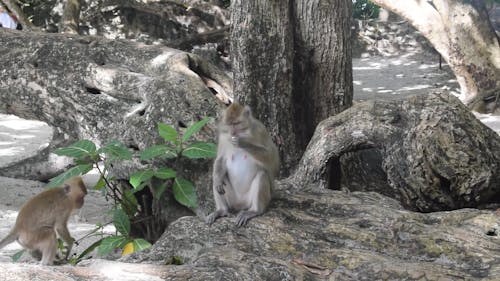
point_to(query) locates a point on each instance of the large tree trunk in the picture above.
(461, 32)
(292, 65)
(262, 52)
(435, 153)
(322, 80)
(70, 17)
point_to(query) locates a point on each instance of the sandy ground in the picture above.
(374, 78)
(20, 138)
(387, 78)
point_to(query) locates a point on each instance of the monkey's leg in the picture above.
(260, 196)
(215, 215)
(222, 208)
(63, 232)
(36, 254)
(48, 246)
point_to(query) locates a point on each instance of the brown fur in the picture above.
(44, 217)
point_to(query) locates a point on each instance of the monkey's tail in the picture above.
(11, 237)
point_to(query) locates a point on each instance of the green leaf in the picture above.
(193, 129)
(121, 222)
(168, 133)
(141, 186)
(129, 202)
(108, 244)
(174, 260)
(158, 189)
(18, 255)
(184, 193)
(85, 252)
(140, 176)
(116, 150)
(140, 244)
(60, 244)
(75, 171)
(158, 151)
(164, 173)
(100, 184)
(200, 150)
(77, 150)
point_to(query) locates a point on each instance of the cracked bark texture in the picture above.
(435, 154)
(103, 90)
(320, 234)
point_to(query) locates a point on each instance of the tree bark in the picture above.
(461, 32)
(71, 17)
(322, 80)
(212, 36)
(262, 52)
(292, 65)
(435, 153)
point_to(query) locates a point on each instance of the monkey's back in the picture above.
(38, 212)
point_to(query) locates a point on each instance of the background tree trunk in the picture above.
(70, 17)
(461, 32)
(322, 80)
(262, 51)
(292, 65)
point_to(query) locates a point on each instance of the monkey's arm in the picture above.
(219, 175)
(258, 149)
(63, 232)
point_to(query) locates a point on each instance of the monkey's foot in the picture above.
(244, 216)
(60, 262)
(36, 254)
(215, 215)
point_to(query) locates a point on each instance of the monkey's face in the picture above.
(236, 120)
(238, 128)
(80, 196)
(76, 191)
(79, 202)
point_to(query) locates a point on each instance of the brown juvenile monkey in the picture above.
(245, 167)
(45, 217)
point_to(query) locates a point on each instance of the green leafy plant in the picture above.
(18, 255)
(126, 208)
(122, 238)
(175, 146)
(364, 9)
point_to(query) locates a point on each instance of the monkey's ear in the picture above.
(66, 188)
(247, 112)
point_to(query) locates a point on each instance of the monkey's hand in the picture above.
(248, 144)
(219, 184)
(235, 141)
(68, 247)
